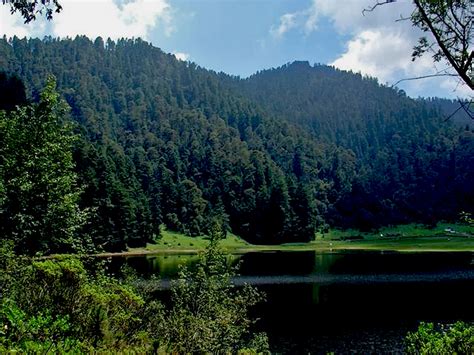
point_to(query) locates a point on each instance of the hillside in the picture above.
(274, 157)
(411, 163)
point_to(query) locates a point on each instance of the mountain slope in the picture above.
(273, 157)
(411, 164)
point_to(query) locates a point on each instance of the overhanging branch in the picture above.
(379, 3)
(424, 77)
(461, 73)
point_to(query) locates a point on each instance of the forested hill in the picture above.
(340, 107)
(410, 162)
(274, 157)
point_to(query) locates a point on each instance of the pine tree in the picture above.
(39, 211)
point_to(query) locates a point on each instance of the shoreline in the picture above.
(410, 238)
(338, 247)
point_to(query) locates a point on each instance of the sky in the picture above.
(241, 37)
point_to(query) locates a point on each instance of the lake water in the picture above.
(344, 301)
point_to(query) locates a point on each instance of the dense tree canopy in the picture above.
(274, 157)
(401, 161)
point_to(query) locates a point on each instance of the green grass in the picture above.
(410, 237)
(409, 244)
(400, 232)
(170, 240)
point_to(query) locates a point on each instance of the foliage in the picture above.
(38, 193)
(451, 25)
(209, 315)
(430, 339)
(29, 9)
(395, 162)
(58, 305)
(467, 218)
(68, 304)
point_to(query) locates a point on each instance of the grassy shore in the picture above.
(403, 238)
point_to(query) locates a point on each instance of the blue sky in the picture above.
(241, 37)
(235, 37)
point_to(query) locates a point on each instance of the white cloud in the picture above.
(106, 18)
(12, 24)
(386, 55)
(378, 53)
(9, 25)
(378, 45)
(287, 22)
(345, 15)
(456, 87)
(311, 22)
(181, 56)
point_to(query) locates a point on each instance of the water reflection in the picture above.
(166, 266)
(359, 301)
(316, 265)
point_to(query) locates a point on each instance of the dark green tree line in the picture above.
(273, 157)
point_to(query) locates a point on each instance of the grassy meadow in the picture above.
(402, 238)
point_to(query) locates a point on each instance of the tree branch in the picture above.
(468, 61)
(379, 3)
(423, 77)
(465, 105)
(442, 46)
(455, 111)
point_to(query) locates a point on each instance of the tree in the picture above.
(192, 208)
(39, 209)
(30, 9)
(450, 22)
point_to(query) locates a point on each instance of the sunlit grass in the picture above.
(410, 237)
(399, 231)
(178, 241)
(409, 244)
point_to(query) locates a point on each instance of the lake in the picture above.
(345, 301)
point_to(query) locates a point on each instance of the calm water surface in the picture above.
(345, 301)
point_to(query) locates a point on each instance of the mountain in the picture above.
(411, 163)
(273, 157)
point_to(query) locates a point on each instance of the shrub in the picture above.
(67, 304)
(209, 314)
(53, 303)
(430, 339)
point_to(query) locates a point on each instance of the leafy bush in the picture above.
(431, 339)
(68, 304)
(51, 304)
(209, 314)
